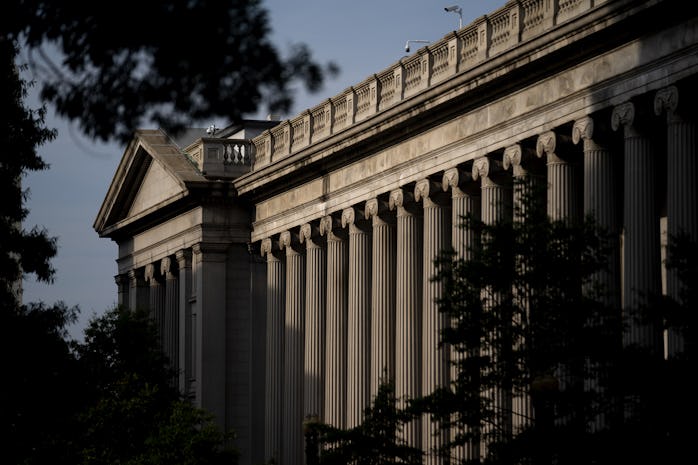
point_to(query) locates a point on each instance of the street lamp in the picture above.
(459, 11)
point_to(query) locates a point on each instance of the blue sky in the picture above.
(361, 37)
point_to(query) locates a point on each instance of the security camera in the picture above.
(454, 8)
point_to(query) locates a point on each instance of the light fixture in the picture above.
(211, 130)
(407, 44)
(459, 11)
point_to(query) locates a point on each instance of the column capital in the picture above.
(550, 144)
(402, 200)
(152, 273)
(136, 277)
(183, 258)
(667, 100)
(168, 268)
(378, 210)
(583, 129)
(355, 218)
(290, 241)
(457, 180)
(270, 249)
(429, 192)
(209, 248)
(623, 115)
(517, 158)
(310, 235)
(592, 131)
(331, 226)
(122, 281)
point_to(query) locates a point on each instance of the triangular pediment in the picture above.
(152, 175)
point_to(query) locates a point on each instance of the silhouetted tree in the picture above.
(376, 441)
(170, 62)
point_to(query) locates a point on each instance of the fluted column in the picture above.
(359, 318)
(156, 299)
(520, 159)
(170, 338)
(382, 293)
(294, 344)
(408, 304)
(185, 323)
(641, 254)
(435, 358)
(315, 301)
(496, 206)
(122, 286)
(336, 324)
(139, 293)
(600, 198)
(682, 183)
(600, 201)
(276, 298)
(465, 201)
(563, 202)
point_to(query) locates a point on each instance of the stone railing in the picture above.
(221, 158)
(484, 38)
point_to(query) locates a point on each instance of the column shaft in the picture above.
(276, 297)
(336, 334)
(294, 344)
(359, 318)
(408, 303)
(184, 319)
(315, 301)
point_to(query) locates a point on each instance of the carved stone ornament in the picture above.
(623, 115)
(512, 156)
(309, 234)
(396, 199)
(451, 179)
(583, 129)
(666, 99)
(372, 208)
(545, 145)
(481, 168)
(150, 272)
(422, 189)
(348, 216)
(331, 227)
(167, 267)
(266, 247)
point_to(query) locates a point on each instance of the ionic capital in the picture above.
(331, 226)
(151, 273)
(270, 249)
(623, 115)
(378, 210)
(310, 235)
(355, 218)
(168, 268)
(583, 129)
(403, 201)
(183, 258)
(290, 241)
(122, 281)
(667, 100)
(429, 192)
(136, 277)
(515, 157)
(546, 143)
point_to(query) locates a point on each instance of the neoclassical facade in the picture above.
(288, 264)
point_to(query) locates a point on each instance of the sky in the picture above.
(361, 37)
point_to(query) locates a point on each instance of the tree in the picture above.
(531, 328)
(171, 62)
(375, 441)
(133, 413)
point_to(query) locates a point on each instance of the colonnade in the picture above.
(350, 299)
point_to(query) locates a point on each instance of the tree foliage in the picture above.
(376, 441)
(127, 63)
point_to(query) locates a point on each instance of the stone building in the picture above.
(287, 264)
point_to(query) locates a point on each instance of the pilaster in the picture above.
(170, 335)
(139, 294)
(122, 286)
(210, 329)
(185, 322)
